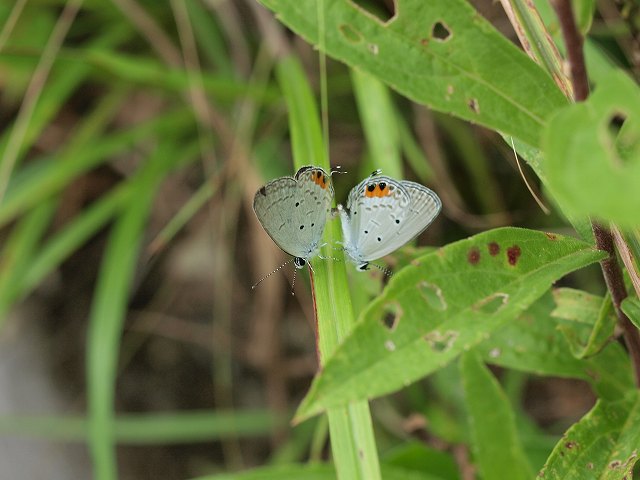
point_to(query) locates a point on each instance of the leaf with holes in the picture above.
(604, 444)
(440, 53)
(593, 153)
(532, 343)
(444, 303)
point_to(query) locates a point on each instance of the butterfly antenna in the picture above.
(293, 282)
(271, 273)
(384, 270)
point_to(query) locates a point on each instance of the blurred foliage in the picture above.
(134, 135)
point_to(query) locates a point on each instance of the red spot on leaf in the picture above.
(513, 253)
(473, 256)
(494, 248)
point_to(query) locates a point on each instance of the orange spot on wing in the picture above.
(319, 179)
(384, 191)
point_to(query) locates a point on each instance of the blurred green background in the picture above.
(134, 135)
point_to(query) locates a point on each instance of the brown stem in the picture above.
(604, 240)
(573, 41)
(615, 283)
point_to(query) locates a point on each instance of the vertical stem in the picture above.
(604, 240)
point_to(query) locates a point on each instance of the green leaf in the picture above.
(591, 170)
(494, 439)
(417, 456)
(584, 10)
(532, 343)
(440, 53)
(592, 320)
(631, 308)
(444, 303)
(576, 305)
(604, 444)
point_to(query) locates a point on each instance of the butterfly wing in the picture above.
(384, 214)
(374, 208)
(293, 210)
(423, 208)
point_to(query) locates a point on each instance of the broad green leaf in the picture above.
(631, 308)
(576, 305)
(604, 444)
(591, 320)
(494, 439)
(534, 158)
(532, 343)
(442, 304)
(592, 170)
(440, 53)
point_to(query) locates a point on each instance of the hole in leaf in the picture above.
(383, 10)
(492, 304)
(350, 34)
(441, 32)
(390, 315)
(441, 342)
(615, 123)
(432, 294)
(625, 135)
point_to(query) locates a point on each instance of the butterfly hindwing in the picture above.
(294, 210)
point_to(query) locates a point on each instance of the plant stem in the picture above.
(604, 240)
